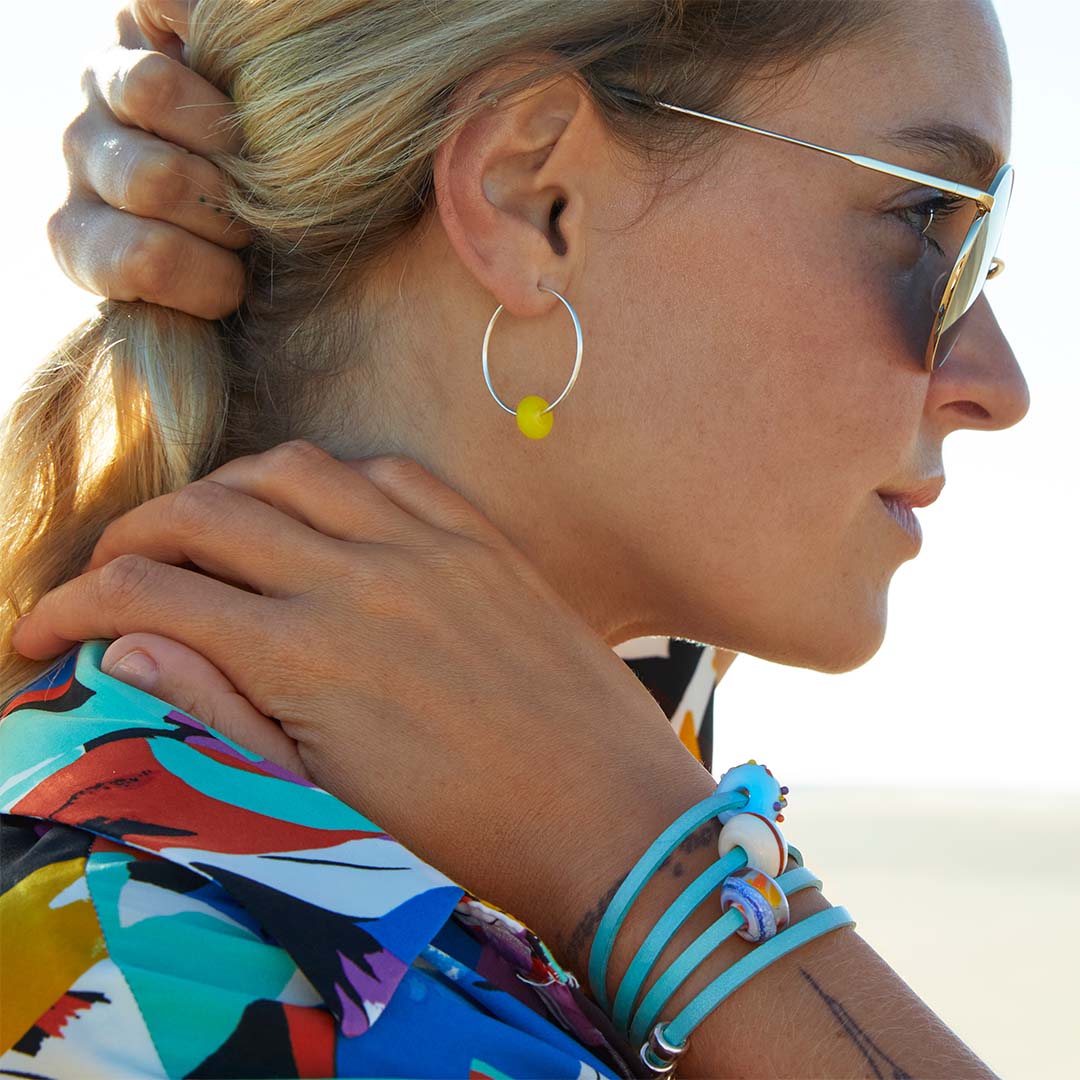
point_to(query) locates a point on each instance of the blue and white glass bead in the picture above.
(762, 902)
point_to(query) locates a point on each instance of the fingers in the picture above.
(130, 36)
(271, 521)
(159, 236)
(428, 498)
(189, 682)
(132, 594)
(228, 533)
(307, 483)
(268, 520)
(164, 23)
(373, 500)
(146, 176)
(144, 219)
(157, 93)
(124, 257)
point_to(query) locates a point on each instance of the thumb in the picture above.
(188, 681)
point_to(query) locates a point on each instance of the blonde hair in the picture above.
(341, 105)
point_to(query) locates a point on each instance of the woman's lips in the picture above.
(904, 516)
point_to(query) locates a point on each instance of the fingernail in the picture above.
(135, 667)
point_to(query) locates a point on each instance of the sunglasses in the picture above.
(935, 299)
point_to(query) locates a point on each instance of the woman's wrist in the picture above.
(611, 850)
(830, 1007)
(599, 850)
(564, 853)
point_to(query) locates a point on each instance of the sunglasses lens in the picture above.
(972, 277)
(920, 298)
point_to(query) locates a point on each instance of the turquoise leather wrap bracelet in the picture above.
(753, 904)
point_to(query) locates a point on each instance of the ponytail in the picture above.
(131, 404)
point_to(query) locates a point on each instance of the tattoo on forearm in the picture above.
(703, 836)
(586, 928)
(876, 1058)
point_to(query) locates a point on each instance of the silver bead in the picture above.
(658, 1054)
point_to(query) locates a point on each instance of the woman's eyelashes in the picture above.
(936, 209)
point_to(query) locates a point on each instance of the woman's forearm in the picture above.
(831, 1008)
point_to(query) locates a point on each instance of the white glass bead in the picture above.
(761, 839)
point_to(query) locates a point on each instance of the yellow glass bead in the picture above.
(532, 422)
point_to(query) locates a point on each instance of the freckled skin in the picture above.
(745, 387)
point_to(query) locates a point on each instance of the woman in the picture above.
(425, 595)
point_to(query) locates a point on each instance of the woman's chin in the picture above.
(830, 645)
(848, 648)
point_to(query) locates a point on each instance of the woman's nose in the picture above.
(981, 384)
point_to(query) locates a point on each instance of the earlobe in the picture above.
(510, 188)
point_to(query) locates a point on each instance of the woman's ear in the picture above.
(512, 186)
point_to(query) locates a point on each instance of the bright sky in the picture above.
(972, 686)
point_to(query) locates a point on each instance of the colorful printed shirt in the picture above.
(175, 906)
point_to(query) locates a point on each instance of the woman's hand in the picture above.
(187, 680)
(143, 219)
(428, 674)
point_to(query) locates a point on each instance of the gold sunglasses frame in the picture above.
(984, 201)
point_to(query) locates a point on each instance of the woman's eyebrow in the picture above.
(964, 154)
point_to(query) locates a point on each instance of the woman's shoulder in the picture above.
(237, 910)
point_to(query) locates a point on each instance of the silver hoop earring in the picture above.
(534, 413)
